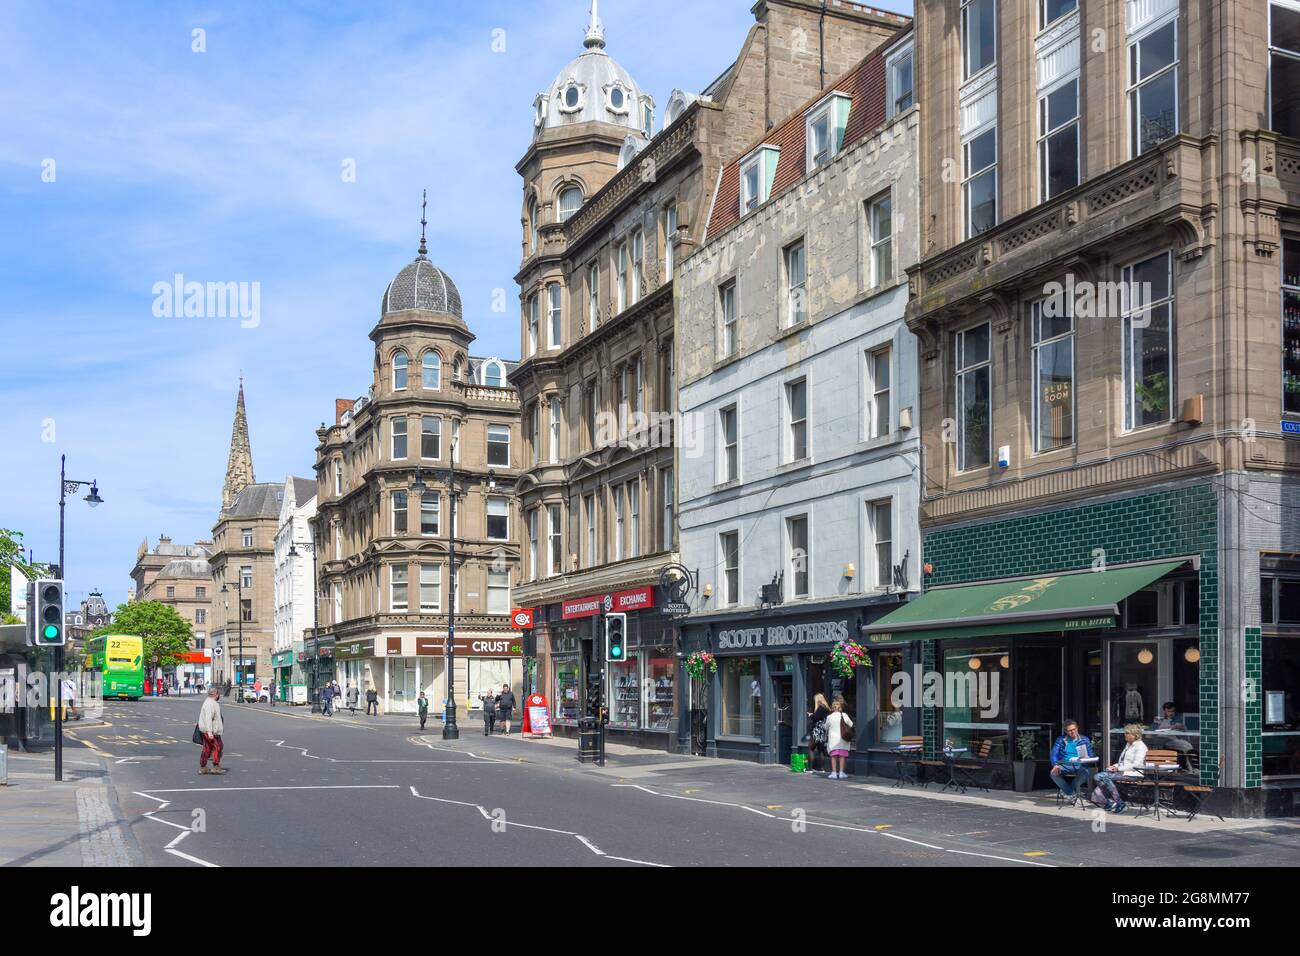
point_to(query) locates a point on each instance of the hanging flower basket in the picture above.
(847, 657)
(700, 664)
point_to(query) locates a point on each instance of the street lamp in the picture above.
(66, 487)
(239, 665)
(315, 623)
(449, 729)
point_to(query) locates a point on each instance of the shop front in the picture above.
(282, 669)
(1001, 666)
(770, 668)
(640, 691)
(483, 664)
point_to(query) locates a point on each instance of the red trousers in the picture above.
(212, 747)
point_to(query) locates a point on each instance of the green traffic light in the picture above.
(616, 651)
(51, 632)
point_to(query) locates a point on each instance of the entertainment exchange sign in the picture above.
(783, 635)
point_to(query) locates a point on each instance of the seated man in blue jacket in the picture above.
(1071, 746)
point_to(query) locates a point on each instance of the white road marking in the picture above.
(311, 756)
(345, 786)
(832, 826)
(483, 811)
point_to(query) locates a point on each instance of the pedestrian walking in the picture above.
(212, 728)
(423, 705)
(505, 706)
(68, 691)
(338, 691)
(327, 700)
(272, 693)
(353, 696)
(489, 701)
(372, 700)
(839, 735)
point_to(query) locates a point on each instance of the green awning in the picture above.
(1078, 600)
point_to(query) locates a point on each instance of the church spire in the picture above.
(239, 467)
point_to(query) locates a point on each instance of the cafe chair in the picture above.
(1151, 787)
(963, 772)
(1197, 794)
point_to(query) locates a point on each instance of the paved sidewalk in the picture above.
(73, 823)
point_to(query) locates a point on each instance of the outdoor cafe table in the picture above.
(912, 753)
(1160, 770)
(1078, 763)
(948, 753)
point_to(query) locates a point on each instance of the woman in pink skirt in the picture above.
(839, 733)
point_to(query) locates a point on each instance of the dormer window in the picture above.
(647, 118)
(757, 171)
(616, 98)
(539, 119)
(898, 66)
(492, 373)
(825, 129)
(572, 96)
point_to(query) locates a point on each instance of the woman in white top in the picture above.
(1130, 764)
(838, 727)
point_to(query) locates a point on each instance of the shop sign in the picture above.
(674, 609)
(521, 618)
(471, 646)
(1290, 427)
(783, 635)
(537, 716)
(353, 649)
(637, 599)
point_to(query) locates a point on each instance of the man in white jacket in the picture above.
(211, 727)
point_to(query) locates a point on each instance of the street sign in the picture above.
(216, 652)
(521, 618)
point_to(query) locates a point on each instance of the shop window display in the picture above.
(983, 731)
(742, 697)
(660, 692)
(625, 694)
(566, 698)
(889, 718)
(1147, 675)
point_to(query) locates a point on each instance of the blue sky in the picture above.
(226, 166)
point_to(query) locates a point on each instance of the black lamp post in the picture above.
(449, 729)
(66, 487)
(315, 622)
(239, 665)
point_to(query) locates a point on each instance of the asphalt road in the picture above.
(307, 791)
(310, 791)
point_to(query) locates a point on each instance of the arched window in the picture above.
(399, 371)
(432, 370)
(492, 374)
(532, 225)
(570, 201)
(458, 368)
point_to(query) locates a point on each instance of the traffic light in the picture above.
(616, 637)
(47, 613)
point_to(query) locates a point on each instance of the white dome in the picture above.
(593, 88)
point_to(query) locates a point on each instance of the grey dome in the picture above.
(593, 87)
(421, 285)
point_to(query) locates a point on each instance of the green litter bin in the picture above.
(798, 763)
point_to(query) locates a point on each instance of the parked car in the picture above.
(250, 696)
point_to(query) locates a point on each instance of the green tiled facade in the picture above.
(1254, 706)
(1175, 523)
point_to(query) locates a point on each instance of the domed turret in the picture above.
(421, 285)
(594, 88)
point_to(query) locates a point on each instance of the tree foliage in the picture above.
(165, 633)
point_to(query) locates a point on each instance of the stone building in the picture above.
(1110, 260)
(179, 575)
(609, 206)
(243, 565)
(798, 490)
(437, 422)
(295, 593)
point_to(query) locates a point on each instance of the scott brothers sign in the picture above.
(783, 635)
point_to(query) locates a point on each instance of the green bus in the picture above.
(119, 660)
